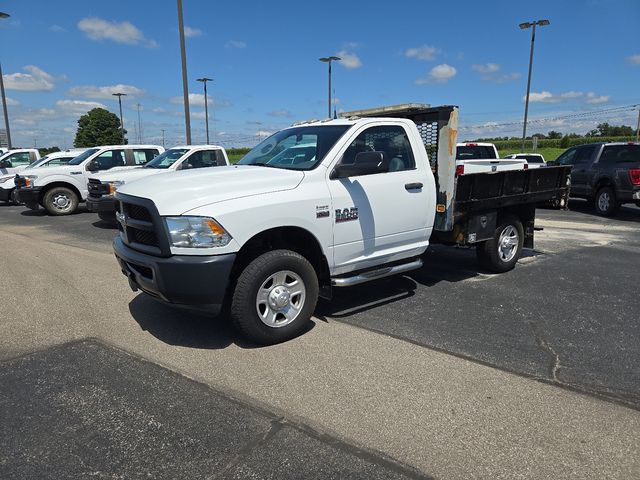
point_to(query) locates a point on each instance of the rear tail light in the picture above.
(526, 166)
(634, 175)
(459, 170)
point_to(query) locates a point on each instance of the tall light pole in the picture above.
(524, 26)
(329, 60)
(185, 86)
(120, 95)
(204, 80)
(4, 98)
(162, 130)
(139, 124)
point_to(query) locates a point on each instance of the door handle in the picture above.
(413, 186)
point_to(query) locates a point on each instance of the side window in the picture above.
(140, 157)
(20, 158)
(391, 141)
(568, 157)
(220, 160)
(110, 159)
(584, 154)
(201, 159)
(620, 154)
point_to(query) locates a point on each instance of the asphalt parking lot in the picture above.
(447, 372)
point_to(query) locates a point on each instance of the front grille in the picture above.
(141, 227)
(139, 212)
(144, 237)
(96, 188)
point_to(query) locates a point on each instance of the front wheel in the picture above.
(60, 201)
(501, 253)
(274, 297)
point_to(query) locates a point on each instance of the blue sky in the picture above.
(60, 59)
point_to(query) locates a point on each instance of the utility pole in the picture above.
(329, 60)
(4, 99)
(139, 124)
(524, 26)
(162, 137)
(120, 95)
(185, 86)
(204, 80)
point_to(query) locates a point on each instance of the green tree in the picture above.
(606, 130)
(554, 134)
(564, 143)
(47, 151)
(98, 127)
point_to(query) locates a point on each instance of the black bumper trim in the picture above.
(30, 196)
(180, 279)
(5, 194)
(106, 204)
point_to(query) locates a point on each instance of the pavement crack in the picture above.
(544, 346)
(276, 425)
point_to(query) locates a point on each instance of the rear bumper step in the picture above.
(375, 274)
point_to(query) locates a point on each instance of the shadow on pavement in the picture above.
(104, 225)
(627, 213)
(187, 328)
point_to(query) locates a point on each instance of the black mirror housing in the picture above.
(365, 163)
(93, 166)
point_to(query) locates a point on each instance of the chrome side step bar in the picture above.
(375, 274)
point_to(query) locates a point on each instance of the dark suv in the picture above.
(606, 173)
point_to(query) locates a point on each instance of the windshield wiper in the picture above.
(263, 164)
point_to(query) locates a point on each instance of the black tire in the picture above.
(51, 201)
(491, 256)
(108, 217)
(605, 202)
(245, 308)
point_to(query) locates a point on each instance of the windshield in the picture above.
(83, 156)
(166, 159)
(298, 148)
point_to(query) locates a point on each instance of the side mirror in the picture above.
(365, 163)
(5, 164)
(93, 165)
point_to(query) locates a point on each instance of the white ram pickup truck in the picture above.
(60, 189)
(266, 237)
(102, 186)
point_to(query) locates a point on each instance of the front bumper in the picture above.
(180, 279)
(30, 196)
(5, 194)
(104, 204)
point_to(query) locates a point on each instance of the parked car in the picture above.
(7, 182)
(102, 186)
(534, 160)
(18, 159)
(267, 238)
(483, 157)
(60, 189)
(608, 174)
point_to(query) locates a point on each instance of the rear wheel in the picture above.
(501, 253)
(274, 297)
(605, 202)
(60, 201)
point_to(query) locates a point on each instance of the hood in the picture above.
(12, 170)
(127, 175)
(179, 192)
(42, 172)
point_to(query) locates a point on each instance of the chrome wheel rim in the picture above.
(508, 243)
(604, 200)
(280, 298)
(61, 202)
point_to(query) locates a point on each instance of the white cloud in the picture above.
(548, 97)
(11, 102)
(37, 80)
(280, 113)
(105, 93)
(72, 107)
(349, 60)
(634, 59)
(195, 100)
(57, 28)
(190, 32)
(439, 74)
(486, 67)
(593, 98)
(124, 32)
(235, 44)
(263, 133)
(425, 52)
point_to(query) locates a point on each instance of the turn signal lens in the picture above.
(634, 175)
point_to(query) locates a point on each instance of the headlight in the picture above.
(113, 186)
(196, 232)
(30, 179)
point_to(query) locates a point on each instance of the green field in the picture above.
(549, 153)
(234, 157)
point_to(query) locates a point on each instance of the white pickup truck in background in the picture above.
(534, 160)
(17, 159)
(483, 157)
(7, 183)
(268, 236)
(102, 186)
(60, 189)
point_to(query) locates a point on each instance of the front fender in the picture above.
(69, 180)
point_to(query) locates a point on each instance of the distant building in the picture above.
(3, 138)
